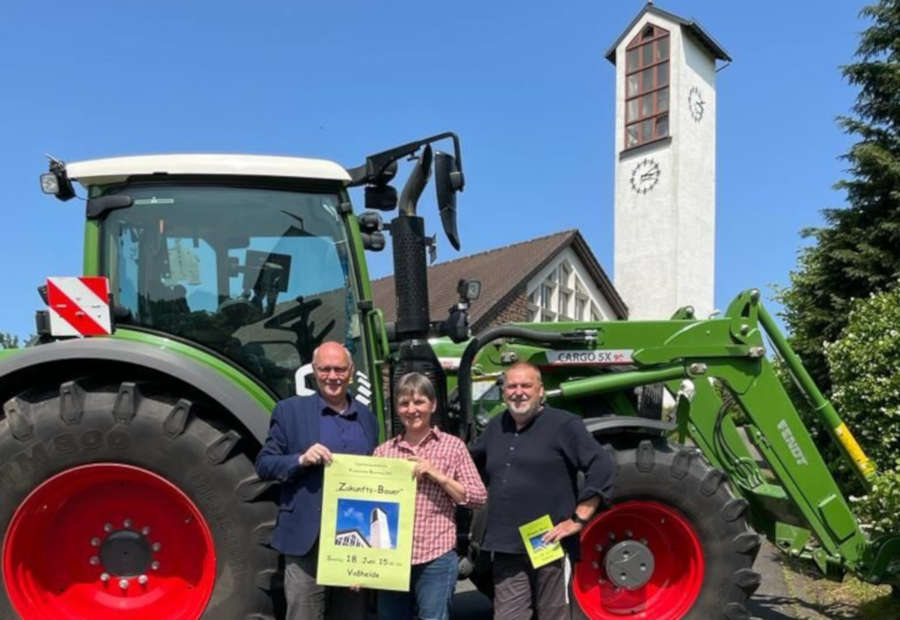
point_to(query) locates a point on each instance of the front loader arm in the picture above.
(774, 426)
(732, 405)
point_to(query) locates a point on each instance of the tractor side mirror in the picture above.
(381, 197)
(447, 181)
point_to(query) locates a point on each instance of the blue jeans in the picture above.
(431, 586)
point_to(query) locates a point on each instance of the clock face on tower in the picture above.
(696, 103)
(645, 176)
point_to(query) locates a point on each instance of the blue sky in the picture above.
(525, 84)
(355, 514)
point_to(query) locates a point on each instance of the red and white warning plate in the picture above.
(79, 306)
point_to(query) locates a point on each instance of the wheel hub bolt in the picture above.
(95, 542)
(127, 523)
(596, 565)
(156, 546)
(123, 583)
(145, 531)
(612, 536)
(94, 561)
(104, 577)
(107, 527)
(628, 534)
(143, 579)
(154, 565)
(598, 548)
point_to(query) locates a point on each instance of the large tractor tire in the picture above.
(675, 544)
(124, 502)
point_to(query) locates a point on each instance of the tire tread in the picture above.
(219, 450)
(125, 407)
(18, 413)
(71, 402)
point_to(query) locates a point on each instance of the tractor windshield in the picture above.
(260, 275)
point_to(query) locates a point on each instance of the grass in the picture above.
(851, 599)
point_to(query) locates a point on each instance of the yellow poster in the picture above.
(368, 507)
(539, 552)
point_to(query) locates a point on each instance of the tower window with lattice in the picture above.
(647, 86)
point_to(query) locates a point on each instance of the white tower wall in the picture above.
(665, 237)
(379, 532)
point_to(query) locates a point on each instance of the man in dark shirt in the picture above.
(303, 434)
(530, 456)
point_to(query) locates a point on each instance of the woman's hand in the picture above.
(451, 487)
(424, 467)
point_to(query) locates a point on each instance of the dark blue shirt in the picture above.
(341, 432)
(533, 471)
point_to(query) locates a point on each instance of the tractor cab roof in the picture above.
(117, 169)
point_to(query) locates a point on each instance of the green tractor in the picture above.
(126, 458)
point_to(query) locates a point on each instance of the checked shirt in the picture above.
(434, 532)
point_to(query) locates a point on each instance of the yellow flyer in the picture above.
(368, 507)
(539, 552)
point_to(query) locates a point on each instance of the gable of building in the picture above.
(510, 276)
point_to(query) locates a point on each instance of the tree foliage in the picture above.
(857, 252)
(8, 341)
(864, 365)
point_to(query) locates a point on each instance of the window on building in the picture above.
(564, 297)
(580, 305)
(546, 296)
(595, 313)
(565, 274)
(647, 86)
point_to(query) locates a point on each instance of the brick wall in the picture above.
(511, 309)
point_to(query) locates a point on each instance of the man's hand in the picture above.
(561, 530)
(316, 455)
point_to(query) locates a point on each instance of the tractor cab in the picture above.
(250, 259)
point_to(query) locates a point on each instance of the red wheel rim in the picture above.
(107, 541)
(677, 555)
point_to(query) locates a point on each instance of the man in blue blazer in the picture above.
(303, 434)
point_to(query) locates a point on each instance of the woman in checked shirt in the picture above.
(447, 478)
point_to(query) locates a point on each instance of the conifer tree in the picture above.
(857, 252)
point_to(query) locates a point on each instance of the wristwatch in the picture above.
(579, 520)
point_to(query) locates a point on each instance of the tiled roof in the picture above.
(500, 270)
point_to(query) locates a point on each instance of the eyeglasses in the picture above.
(327, 370)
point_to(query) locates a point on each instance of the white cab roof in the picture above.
(117, 169)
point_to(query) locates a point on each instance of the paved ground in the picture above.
(772, 601)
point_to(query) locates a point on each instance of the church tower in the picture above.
(665, 177)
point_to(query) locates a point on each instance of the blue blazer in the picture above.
(293, 429)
